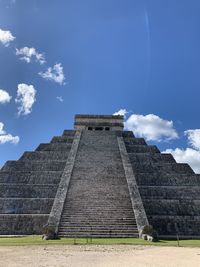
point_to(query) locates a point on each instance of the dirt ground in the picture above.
(98, 256)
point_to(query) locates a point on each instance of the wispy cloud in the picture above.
(25, 98)
(54, 73)
(7, 138)
(29, 53)
(193, 138)
(6, 37)
(60, 98)
(4, 97)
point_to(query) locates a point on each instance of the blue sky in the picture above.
(100, 57)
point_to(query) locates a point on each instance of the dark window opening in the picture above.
(90, 128)
(107, 129)
(98, 128)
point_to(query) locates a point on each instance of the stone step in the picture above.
(97, 219)
(134, 141)
(84, 222)
(142, 149)
(151, 158)
(105, 215)
(54, 147)
(25, 205)
(62, 139)
(97, 216)
(100, 222)
(100, 172)
(112, 179)
(34, 177)
(117, 164)
(184, 207)
(96, 225)
(88, 227)
(99, 230)
(22, 224)
(109, 201)
(173, 225)
(106, 149)
(156, 179)
(102, 134)
(170, 192)
(105, 223)
(105, 204)
(98, 207)
(107, 196)
(128, 134)
(111, 211)
(99, 202)
(68, 133)
(97, 235)
(34, 165)
(27, 191)
(45, 155)
(100, 145)
(143, 167)
(114, 229)
(100, 156)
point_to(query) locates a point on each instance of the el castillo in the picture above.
(98, 180)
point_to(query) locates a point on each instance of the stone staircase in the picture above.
(98, 202)
(170, 191)
(28, 186)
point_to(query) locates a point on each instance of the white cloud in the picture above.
(193, 138)
(60, 98)
(4, 97)
(28, 53)
(121, 112)
(188, 155)
(54, 74)
(26, 98)
(6, 37)
(151, 127)
(7, 138)
(1, 128)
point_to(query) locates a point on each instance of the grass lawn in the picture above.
(37, 240)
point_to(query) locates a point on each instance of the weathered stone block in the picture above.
(30, 177)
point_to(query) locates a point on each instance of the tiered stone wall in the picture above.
(28, 186)
(170, 191)
(82, 182)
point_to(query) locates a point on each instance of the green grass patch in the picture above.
(37, 240)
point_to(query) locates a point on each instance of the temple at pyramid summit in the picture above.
(99, 180)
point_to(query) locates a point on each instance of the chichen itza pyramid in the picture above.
(98, 180)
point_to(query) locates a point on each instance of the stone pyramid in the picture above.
(98, 180)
